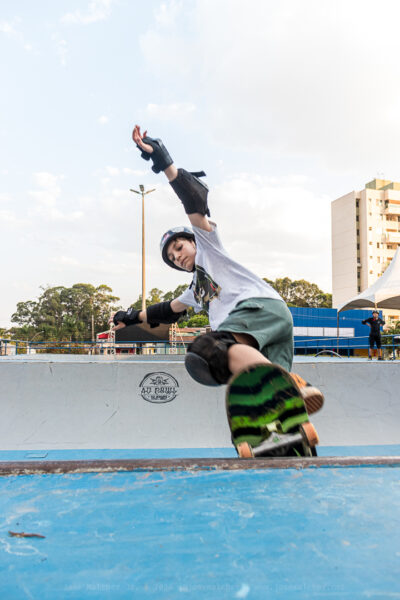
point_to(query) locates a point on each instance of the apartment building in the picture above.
(365, 236)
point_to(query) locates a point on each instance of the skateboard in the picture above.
(267, 415)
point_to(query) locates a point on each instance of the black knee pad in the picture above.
(207, 358)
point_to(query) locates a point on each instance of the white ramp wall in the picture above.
(92, 404)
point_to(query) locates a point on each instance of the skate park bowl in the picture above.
(149, 406)
(118, 480)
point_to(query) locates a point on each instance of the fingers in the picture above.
(136, 134)
(138, 137)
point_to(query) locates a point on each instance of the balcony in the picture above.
(391, 209)
(393, 237)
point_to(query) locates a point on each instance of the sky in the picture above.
(286, 105)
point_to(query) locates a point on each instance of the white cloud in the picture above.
(8, 29)
(4, 198)
(61, 48)
(103, 120)
(48, 203)
(275, 226)
(113, 171)
(49, 189)
(65, 261)
(167, 13)
(97, 10)
(300, 79)
(135, 172)
(175, 111)
(8, 217)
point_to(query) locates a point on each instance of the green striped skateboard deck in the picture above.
(267, 415)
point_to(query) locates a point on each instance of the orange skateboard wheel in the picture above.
(310, 433)
(244, 450)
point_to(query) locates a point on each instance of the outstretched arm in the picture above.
(162, 312)
(188, 187)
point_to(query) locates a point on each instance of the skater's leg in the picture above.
(241, 356)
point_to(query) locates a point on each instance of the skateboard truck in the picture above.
(307, 435)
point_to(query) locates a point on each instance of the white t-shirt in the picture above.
(219, 282)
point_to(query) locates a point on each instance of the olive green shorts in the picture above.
(269, 322)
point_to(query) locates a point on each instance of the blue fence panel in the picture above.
(323, 318)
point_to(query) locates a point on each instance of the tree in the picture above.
(197, 320)
(301, 293)
(62, 313)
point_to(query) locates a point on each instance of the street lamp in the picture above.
(143, 194)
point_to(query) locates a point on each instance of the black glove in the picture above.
(129, 317)
(160, 156)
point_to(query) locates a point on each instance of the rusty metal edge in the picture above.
(39, 467)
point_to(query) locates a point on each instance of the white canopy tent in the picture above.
(384, 293)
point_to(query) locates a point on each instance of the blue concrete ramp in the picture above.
(202, 530)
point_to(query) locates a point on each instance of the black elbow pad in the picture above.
(191, 191)
(162, 313)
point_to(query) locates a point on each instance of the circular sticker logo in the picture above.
(159, 388)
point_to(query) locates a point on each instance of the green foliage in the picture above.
(301, 293)
(197, 320)
(389, 331)
(62, 313)
(156, 295)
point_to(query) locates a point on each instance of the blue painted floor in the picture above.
(79, 454)
(313, 533)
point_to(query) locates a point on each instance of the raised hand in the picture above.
(152, 148)
(138, 139)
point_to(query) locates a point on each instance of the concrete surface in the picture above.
(281, 534)
(84, 403)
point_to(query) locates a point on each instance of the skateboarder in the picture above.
(374, 323)
(250, 322)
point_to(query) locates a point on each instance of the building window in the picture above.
(371, 272)
(357, 218)
(359, 288)
(377, 244)
(358, 275)
(358, 246)
(357, 203)
(358, 232)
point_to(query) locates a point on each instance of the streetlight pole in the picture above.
(143, 194)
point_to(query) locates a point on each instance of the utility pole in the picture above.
(143, 194)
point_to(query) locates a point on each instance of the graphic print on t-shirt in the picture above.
(205, 289)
